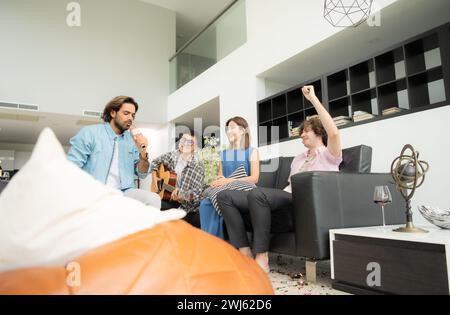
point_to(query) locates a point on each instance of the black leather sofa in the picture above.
(327, 200)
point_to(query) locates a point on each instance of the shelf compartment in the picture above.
(295, 120)
(310, 112)
(294, 101)
(362, 76)
(338, 85)
(265, 111)
(394, 94)
(423, 54)
(283, 132)
(317, 90)
(265, 133)
(340, 107)
(390, 66)
(279, 107)
(427, 88)
(366, 101)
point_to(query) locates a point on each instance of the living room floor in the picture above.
(288, 277)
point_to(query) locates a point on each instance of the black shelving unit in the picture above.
(409, 77)
(393, 94)
(390, 66)
(426, 88)
(279, 108)
(365, 101)
(265, 111)
(362, 76)
(338, 85)
(288, 110)
(422, 54)
(340, 107)
(294, 101)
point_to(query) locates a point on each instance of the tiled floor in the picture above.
(289, 277)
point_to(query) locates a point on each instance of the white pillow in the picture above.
(52, 211)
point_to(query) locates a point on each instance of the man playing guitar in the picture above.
(189, 177)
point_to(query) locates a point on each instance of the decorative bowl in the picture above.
(436, 216)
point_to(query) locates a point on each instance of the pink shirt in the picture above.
(323, 161)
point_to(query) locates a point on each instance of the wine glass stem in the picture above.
(382, 210)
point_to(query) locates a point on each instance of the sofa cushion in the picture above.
(284, 170)
(356, 159)
(267, 173)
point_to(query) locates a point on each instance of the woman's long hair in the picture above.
(241, 122)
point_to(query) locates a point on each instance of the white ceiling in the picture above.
(192, 15)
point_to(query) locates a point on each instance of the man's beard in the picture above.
(123, 127)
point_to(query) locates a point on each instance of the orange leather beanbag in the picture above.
(170, 258)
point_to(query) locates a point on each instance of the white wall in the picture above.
(159, 143)
(278, 30)
(272, 88)
(228, 30)
(121, 48)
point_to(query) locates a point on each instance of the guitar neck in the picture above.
(168, 187)
(172, 188)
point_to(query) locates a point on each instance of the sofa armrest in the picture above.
(332, 200)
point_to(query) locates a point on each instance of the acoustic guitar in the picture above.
(166, 184)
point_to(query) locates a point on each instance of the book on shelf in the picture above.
(361, 115)
(392, 110)
(342, 123)
(294, 132)
(342, 120)
(311, 116)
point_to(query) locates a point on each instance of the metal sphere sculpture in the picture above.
(408, 173)
(345, 13)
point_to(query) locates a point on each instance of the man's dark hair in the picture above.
(316, 126)
(115, 104)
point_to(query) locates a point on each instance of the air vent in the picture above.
(29, 107)
(19, 106)
(92, 113)
(9, 105)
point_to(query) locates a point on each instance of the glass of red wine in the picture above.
(382, 196)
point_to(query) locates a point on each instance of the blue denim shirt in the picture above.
(92, 150)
